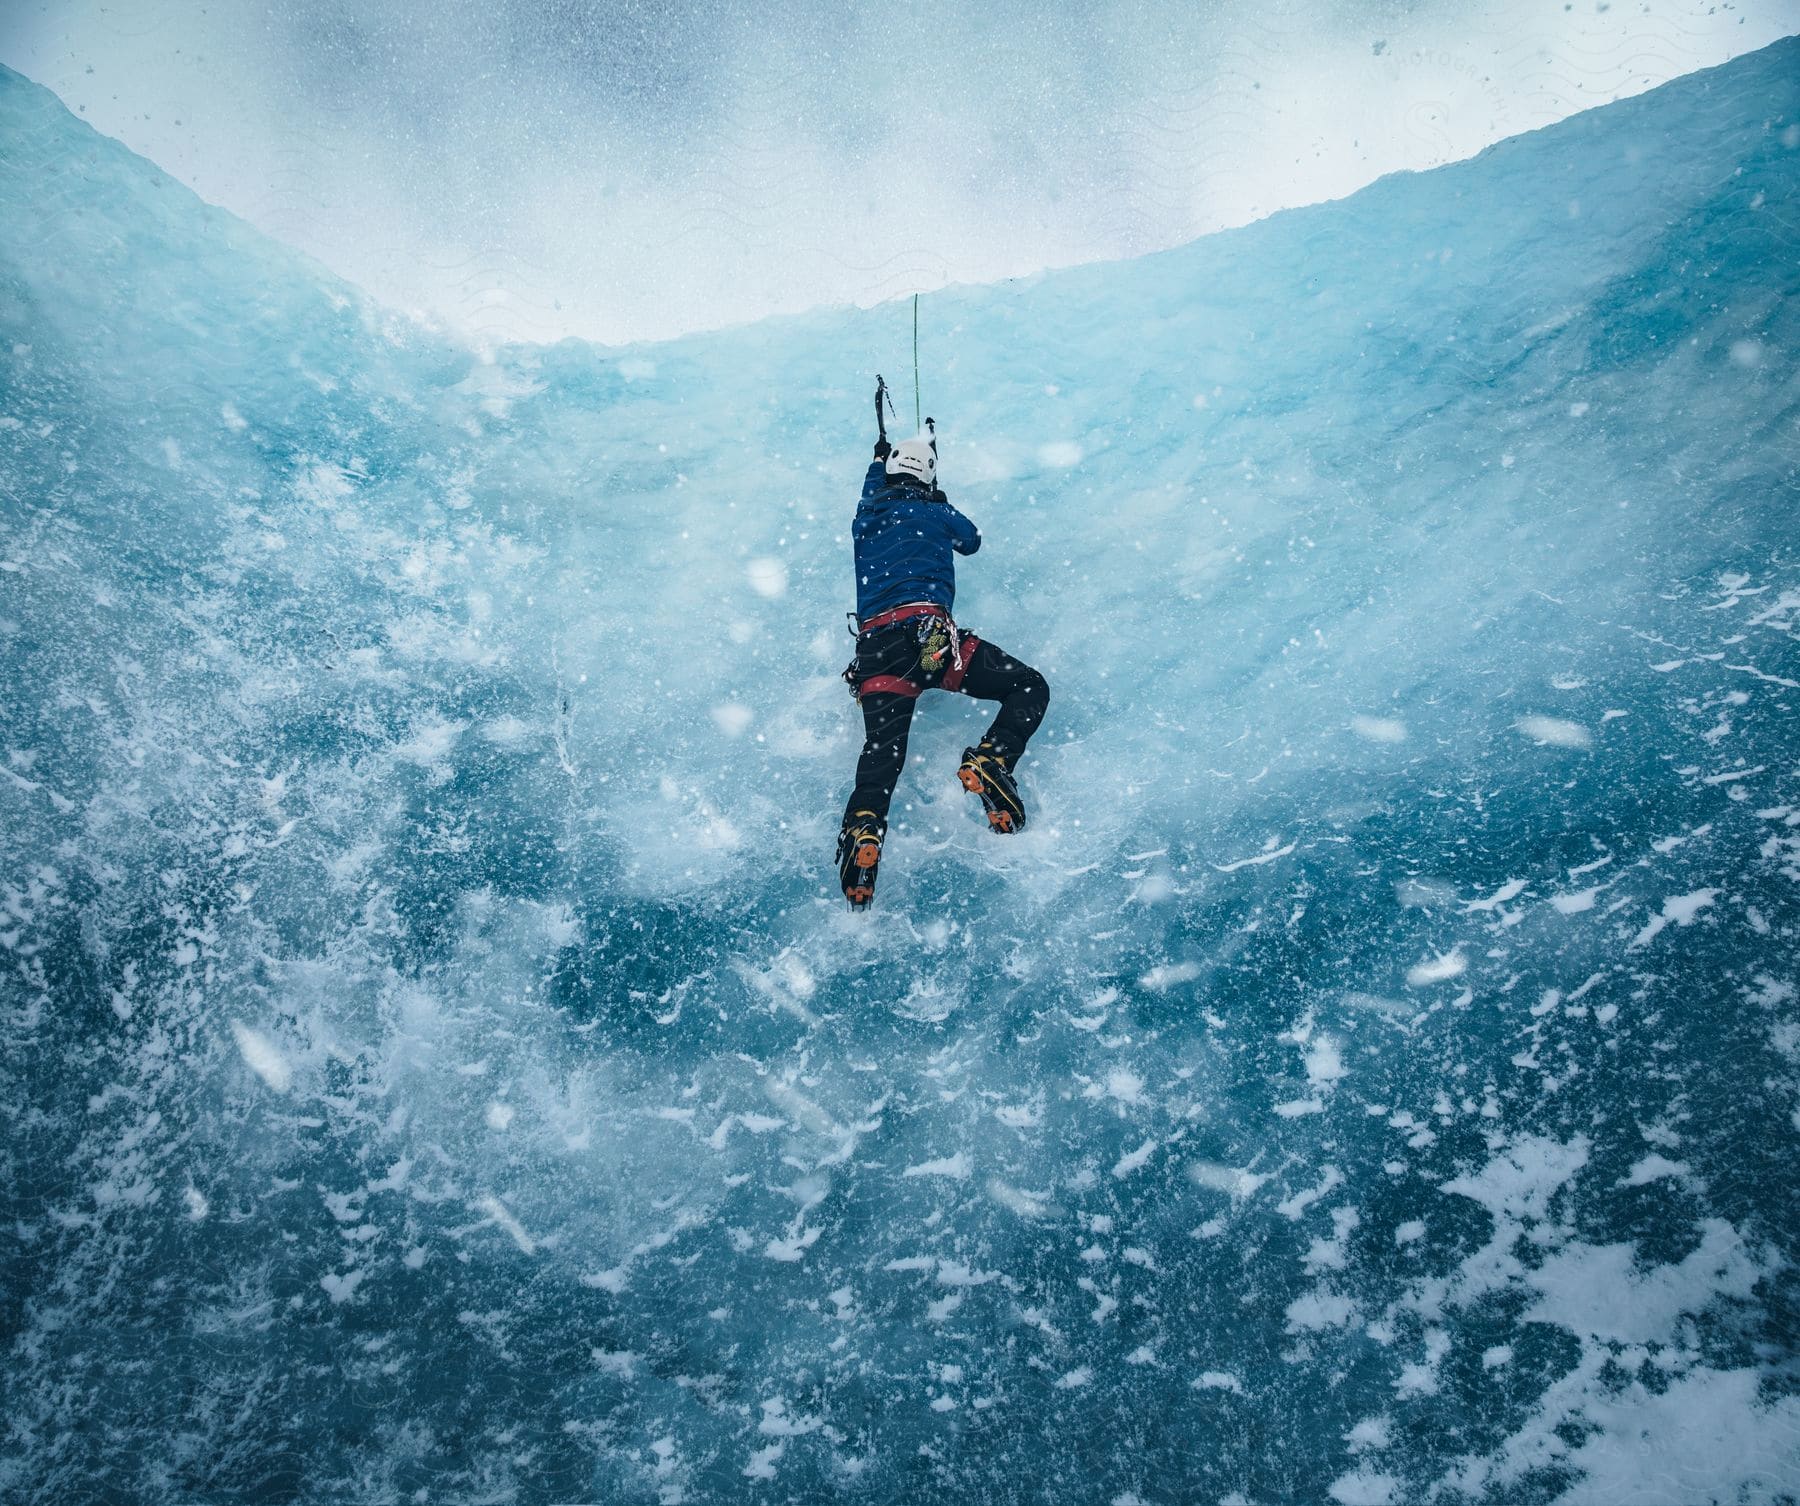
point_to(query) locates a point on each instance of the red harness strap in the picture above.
(888, 685)
(900, 614)
(966, 645)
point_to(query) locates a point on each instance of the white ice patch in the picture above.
(1515, 1187)
(1324, 1063)
(507, 731)
(957, 1167)
(1026, 1115)
(1120, 1084)
(1713, 1435)
(559, 925)
(1059, 455)
(1424, 893)
(1653, 1168)
(613, 1280)
(732, 718)
(262, 1056)
(778, 1422)
(1269, 854)
(341, 1288)
(1236, 1182)
(1395, 1010)
(1016, 1200)
(1508, 891)
(1296, 1205)
(1379, 729)
(1134, 1160)
(1155, 888)
(762, 1462)
(433, 738)
(1680, 910)
(322, 485)
(768, 577)
(1333, 1254)
(1164, 976)
(501, 1215)
(1554, 731)
(1364, 1487)
(787, 983)
(1600, 1292)
(1440, 969)
(927, 1001)
(793, 1247)
(1320, 1309)
(496, 388)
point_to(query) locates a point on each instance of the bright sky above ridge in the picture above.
(622, 171)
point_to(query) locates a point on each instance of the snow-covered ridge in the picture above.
(435, 1058)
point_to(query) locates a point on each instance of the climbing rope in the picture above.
(916, 408)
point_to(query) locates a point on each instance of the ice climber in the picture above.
(907, 535)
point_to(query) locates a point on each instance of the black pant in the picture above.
(892, 654)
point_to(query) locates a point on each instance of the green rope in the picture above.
(917, 422)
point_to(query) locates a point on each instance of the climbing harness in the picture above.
(944, 649)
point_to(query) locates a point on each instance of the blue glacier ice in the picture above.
(437, 1065)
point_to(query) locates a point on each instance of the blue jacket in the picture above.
(905, 535)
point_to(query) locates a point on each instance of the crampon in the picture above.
(858, 858)
(984, 773)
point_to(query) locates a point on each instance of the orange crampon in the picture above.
(984, 774)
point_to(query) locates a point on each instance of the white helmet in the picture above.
(914, 457)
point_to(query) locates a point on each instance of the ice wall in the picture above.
(437, 1064)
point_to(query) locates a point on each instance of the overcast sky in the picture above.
(630, 169)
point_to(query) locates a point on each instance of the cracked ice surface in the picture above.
(435, 1063)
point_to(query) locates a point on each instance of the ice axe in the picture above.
(881, 392)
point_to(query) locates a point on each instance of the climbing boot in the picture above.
(859, 855)
(984, 772)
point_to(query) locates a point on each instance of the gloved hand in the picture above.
(881, 448)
